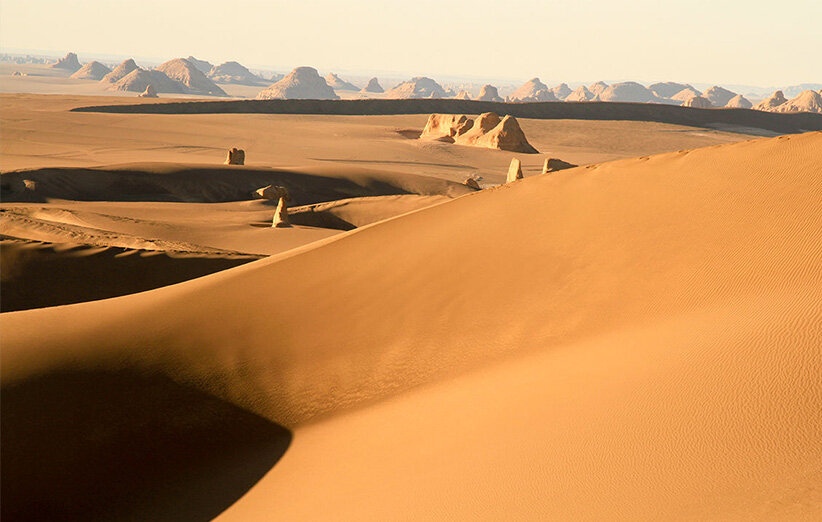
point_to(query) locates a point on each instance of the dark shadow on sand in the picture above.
(126, 446)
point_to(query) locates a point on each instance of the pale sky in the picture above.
(756, 42)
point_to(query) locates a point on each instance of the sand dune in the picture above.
(646, 347)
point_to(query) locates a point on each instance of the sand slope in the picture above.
(653, 324)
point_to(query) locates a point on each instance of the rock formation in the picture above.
(419, 87)
(555, 164)
(235, 156)
(489, 93)
(580, 94)
(303, 83)
(808, 101)
(191, 77)
(685, 94)
(514, 171)
(699, 102)
(488, 131)
(597, 88)
(373, 86)
(338, 84)
(739, 102)
(68, 63)
(201, 65)
(91, 71)
(148, 93)
(138, 80)
(446, 127)
(462, 95)
(471, 182)
(718, 96)
(120, 72)
(532, 90)
(506, 135)
(628, 92)
(670, 89)
(561, 91)
(771, 102)
(233, 72)
(281, 196)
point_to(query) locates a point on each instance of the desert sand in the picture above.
(636, 338)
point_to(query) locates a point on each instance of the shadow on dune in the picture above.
(98, 445)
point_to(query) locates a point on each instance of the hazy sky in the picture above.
(758, 42)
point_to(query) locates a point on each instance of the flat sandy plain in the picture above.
(637, 338)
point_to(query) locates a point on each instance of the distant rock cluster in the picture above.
(300, 84)
(488, 131)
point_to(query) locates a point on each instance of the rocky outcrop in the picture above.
(471, 182)
(580, 94)
(718, 96)
(738, 102)
(685, 94)
(628, 92)
(233, 72)
(235, 156)
(91, 71)
(698, 102)
(555, 164)
(533, 91)
(597, 88)
(303, 83)
(138, 80)
(561, 91)
(338, 84)
(419, 87)
(148, 93)
(120, 72)
(68, 63)
(446, 127)
(808, 101)
(201, 65)
(670, 89)
(373, 86)
(488, 131)
(506, 135)
(191, 77)
(514, 171)
(771, 102)
(489, 93)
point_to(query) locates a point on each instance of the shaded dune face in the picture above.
(121, 445)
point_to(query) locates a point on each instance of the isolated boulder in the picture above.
(555, 164)
(68, 63)
(489, 93)
(514, 171)
(120, 72)
(373, 86)
(771, 102)
(148, 93)
(303, 83)
(235, 156)
(91, 71)
(698, 102)
(471, 182)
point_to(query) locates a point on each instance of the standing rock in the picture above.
(148, 93)
(555, 164)
(69, 62)
(489, 93)
(235, 156)
(514, 171)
